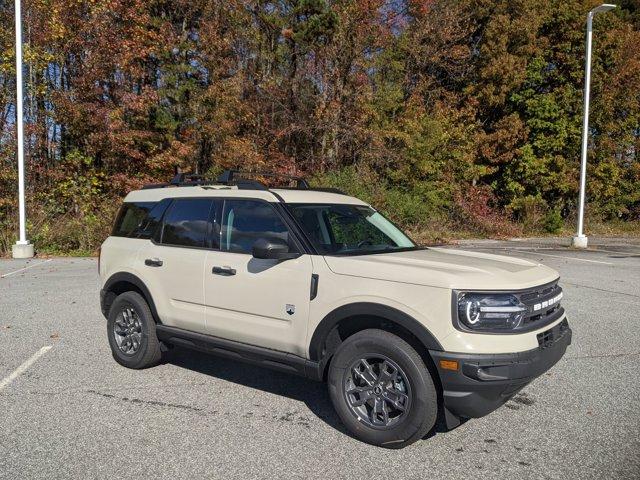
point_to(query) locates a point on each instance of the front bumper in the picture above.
(483, 382)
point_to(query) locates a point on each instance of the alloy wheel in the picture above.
(127, 331)
(377, 391)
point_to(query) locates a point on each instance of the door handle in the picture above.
(226, 271)
(153, 262)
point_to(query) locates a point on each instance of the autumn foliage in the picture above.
(446, 114)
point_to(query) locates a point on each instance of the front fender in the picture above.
(369, 309)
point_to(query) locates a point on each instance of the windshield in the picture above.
(349, 229)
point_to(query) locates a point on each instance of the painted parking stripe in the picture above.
(26, 268)
(561, 256)
(23, 368)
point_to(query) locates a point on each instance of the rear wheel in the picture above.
(131, 330)
(382, 390)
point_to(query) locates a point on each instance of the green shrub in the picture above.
(529, 211)
(553, 222)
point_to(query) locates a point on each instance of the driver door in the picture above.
(256, 301)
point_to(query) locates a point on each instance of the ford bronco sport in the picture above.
(318, 283)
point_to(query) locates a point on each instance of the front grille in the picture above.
(541, 309)
(549, 337)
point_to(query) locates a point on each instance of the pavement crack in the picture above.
(155, 403)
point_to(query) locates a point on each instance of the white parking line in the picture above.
(25, 268)
(561, 256)
(23, 368)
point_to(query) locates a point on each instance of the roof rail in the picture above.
(232, 177)
(193, 180)
(181, 180)
(228, 175)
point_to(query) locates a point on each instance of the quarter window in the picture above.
(130, 218)
(245, 221)
(187, 223)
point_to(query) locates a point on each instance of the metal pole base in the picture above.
(22, 250)
(580, 241)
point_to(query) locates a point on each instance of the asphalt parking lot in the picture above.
(75, 413)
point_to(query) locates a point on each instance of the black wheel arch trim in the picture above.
(134, 280)
(386, 312)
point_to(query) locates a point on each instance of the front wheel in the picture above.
(131, 330)
(382, 390)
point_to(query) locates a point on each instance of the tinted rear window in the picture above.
(187, 223)
(130, 218)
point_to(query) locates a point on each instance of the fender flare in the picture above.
(131, 278)
(369, 309)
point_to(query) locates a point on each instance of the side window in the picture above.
(187, 223)
(130, 217)
(245, 221)
(149, 226)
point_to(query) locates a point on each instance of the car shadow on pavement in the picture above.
(313, 394)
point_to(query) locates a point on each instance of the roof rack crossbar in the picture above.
(228, 176)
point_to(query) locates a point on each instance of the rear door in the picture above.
(256, 301)
(173, 263)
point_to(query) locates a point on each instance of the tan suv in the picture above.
(315, 282)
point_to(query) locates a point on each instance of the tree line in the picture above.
(457, 113)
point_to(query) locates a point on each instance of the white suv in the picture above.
(315, 282)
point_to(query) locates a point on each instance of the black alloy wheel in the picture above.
(377, 391)
(382, 390)
(131, 330)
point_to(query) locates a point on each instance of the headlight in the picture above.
(488, 311)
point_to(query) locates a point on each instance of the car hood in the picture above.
(446, 268)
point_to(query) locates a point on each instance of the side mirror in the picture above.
(272, 249)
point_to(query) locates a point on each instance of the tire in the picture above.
(410, 417)
(130, 315)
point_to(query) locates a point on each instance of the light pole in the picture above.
(580, 240)
(22, 248)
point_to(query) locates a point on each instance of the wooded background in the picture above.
(450, 116)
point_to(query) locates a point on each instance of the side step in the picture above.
(281, 361)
